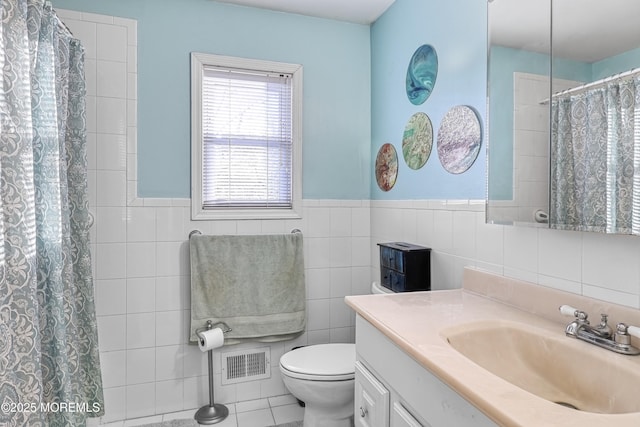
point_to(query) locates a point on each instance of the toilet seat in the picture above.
(321, 362)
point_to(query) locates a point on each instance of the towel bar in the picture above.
(294, 231)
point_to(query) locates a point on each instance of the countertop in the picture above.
(414, 322)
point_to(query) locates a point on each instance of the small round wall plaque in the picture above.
(459, 139)
(386, 167)
(417, 140)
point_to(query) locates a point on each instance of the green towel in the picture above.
(255, 284)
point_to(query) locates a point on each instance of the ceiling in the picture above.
(356, 11)
(583, 30)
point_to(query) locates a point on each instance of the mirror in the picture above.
(528, 178)
(519, 69)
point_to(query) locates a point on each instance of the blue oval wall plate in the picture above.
(421, 74)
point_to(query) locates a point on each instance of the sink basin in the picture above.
(550, 365)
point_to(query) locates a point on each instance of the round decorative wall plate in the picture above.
(421, 74)
(459, 139)
(386, 167)
(417, 140)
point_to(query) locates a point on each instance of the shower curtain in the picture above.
(595, 148)
(49, 361)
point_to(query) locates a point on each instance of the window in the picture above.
(246, 138)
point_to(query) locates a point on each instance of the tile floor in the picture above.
(252, 413)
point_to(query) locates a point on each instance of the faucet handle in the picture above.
(567, 310)
(624, 329)
(621, 336)
(633, 331)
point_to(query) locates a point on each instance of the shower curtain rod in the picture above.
(62, 25)
(619, 76)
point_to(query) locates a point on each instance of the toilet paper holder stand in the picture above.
(213, 412)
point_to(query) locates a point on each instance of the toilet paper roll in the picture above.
(210, 339)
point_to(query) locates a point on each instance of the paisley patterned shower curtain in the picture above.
(595, 149)
(49, 362)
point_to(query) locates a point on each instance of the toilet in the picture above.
(376, 288)
(322, 376)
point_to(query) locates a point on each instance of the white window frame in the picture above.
(198, 62)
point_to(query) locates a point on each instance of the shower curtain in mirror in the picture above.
(49, 361)
(595, 148)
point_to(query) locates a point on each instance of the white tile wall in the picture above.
(591, 264)
(143, 299)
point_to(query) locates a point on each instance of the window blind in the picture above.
(247, 139)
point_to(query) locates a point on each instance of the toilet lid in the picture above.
(324, 361)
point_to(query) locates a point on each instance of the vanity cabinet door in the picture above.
(400, 417)
(371, 400)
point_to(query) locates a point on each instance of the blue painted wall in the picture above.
(616, 64)
(337, 88)
(457, 30)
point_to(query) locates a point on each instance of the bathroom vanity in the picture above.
(393, 390)
(459, 358)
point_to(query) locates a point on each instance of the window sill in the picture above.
(199, 214)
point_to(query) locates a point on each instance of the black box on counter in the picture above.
(405, 267)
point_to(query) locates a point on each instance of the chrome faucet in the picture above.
(601, 335)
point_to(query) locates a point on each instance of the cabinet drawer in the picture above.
(392, 258)
(393, 280)
(371, 404)
(400, 417)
